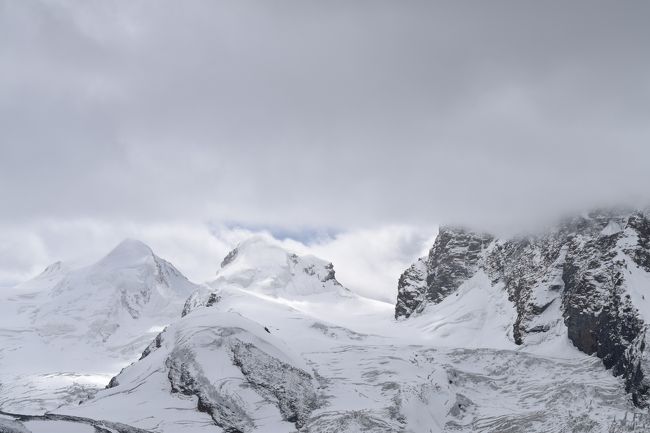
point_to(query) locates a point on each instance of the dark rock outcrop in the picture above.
(453, 259)
(200, 299)
(186, 376)
(290, 388)
(583, 267)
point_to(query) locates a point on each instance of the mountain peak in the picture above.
(129, 284)
(129, 251)
(261, 265)
(255, 251)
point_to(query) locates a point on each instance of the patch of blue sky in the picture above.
(304, 235)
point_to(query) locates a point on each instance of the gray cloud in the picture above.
(334, 114)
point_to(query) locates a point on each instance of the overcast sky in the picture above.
(335, 123)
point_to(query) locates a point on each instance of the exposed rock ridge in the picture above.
(203, 297)
(454, 258)
(289, 387)
(186, 376)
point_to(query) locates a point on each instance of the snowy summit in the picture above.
(276, 344)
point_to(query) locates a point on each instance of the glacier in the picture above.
(275, 343)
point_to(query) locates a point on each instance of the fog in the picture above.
(338, 116)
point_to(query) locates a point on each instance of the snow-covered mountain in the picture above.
(64, 333)
(276, 344)
(258, 265)
(116, 298)
(584, 281)
(484, 341)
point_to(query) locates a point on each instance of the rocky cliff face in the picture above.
(593, 270)
(454, 258)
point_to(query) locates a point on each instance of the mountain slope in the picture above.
(130, 286)
(584, 280)
(262, 350)
(66, 332)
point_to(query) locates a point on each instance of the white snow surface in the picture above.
(58, 427)
(261, 266)
(276, 344)
(452, 368)
(65, 333)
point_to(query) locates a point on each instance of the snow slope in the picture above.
(66, 332)
(276, 344)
